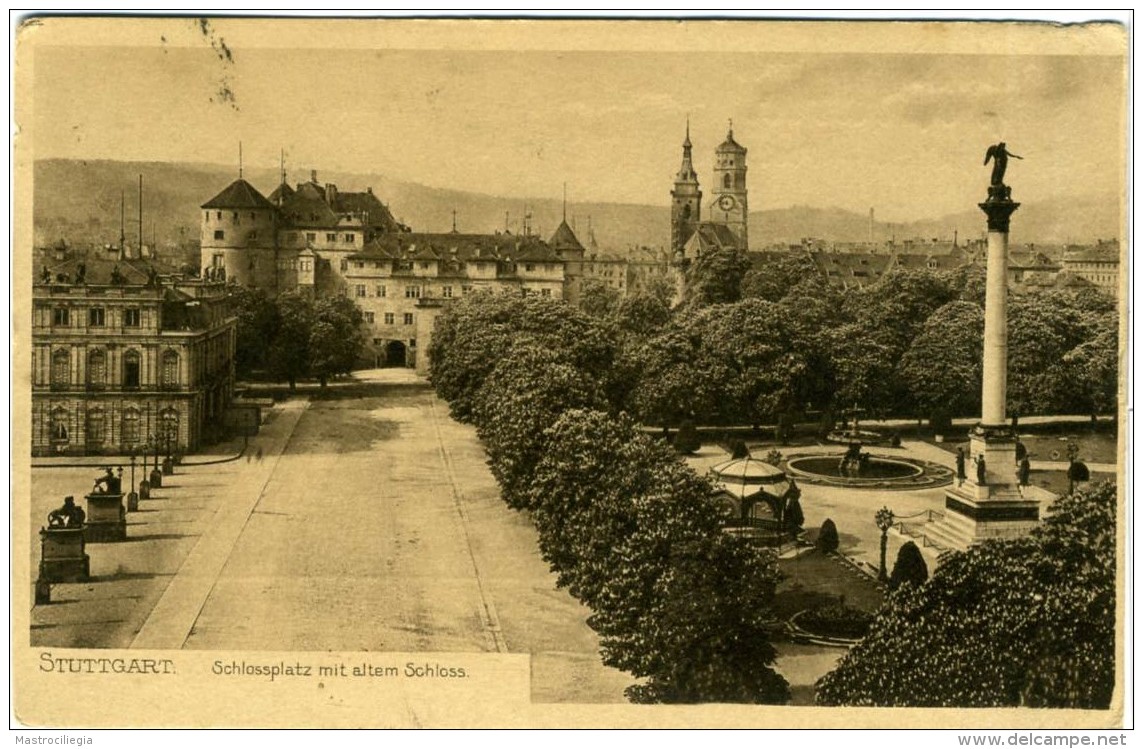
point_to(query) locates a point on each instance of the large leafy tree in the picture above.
(258, 323)
(289, 351)
(598, 299)
(715, 277)
(476, 332)
(677, 379)
(775, 280)
(1029, 622)
(942, 367)
(337, 335)
(527, 391)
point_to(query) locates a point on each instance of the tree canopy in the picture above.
(1028, 622)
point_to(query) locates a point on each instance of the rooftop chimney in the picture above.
(331, 193)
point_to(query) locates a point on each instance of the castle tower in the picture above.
(238, 234)
(728, 205)
(686, 199)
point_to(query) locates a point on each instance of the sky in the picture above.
(904, 133)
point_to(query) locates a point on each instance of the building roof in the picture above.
(564, 238)
(1102, 253)
(709, 236)
(746, 477)
(457, 246)
(316, 206)
(730, 145)
(281, 192)
(239, 194)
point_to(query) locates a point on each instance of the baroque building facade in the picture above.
(118, 365)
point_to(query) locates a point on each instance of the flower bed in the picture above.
(836, 621)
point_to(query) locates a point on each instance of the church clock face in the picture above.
(726, 203)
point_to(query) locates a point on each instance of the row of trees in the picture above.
(627, 527)
(764, 346)
(294, 336)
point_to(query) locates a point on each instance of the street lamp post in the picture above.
(133, 496)
(156, 474)
(884, 520)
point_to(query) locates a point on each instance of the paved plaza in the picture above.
(371, 523)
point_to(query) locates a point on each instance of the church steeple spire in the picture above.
(687, 170)
(686, 198)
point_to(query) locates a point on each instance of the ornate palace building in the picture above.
(121, 357)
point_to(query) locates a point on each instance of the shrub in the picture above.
(687, 438)
(827, 537)
(909, 568)
(836, 620)
(738, 450)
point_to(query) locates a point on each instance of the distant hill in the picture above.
(80, 201)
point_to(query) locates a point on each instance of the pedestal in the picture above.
(63, 559)
(168, 467)
(144, 489)
(156, 478)
(106, 518)
(133, 502)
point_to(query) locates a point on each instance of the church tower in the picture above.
(728, 205)
(686, 199)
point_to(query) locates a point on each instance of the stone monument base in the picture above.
(106, 518)
(994, 508)
(62, 556)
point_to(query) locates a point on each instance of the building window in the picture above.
(208, 217)
(219, 234)
(388, 318)
(61, 316)
(97, 367)
(529, 266)
(446, 292)
(218, 215)
(95, 317)
(307, 265)
(311, 236)
(358, 264)
(350, 238)
(59, 425)
(131, 369)
(381, 291)
(412, 292)
(369, 318)
(129, 431)
(545, 292)
(465, 289)
(408, 318)
(61, 368)
(131, 317)
(252, 216)
(344, 265)
(359, 289)
(330, 237)
(96, 429)
(170, 368)
(424, 266)
(234, 215)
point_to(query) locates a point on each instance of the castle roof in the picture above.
(281, 192)
(457, 246)
(239, 194)
(564, 238)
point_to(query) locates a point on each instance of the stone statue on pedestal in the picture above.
(999, 154)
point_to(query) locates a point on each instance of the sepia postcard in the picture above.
(477, 373)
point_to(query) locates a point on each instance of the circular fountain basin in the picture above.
(878, 472)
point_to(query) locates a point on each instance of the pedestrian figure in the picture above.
(259, 453)
(980, 473)
(1022, 472)
(960, 475)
